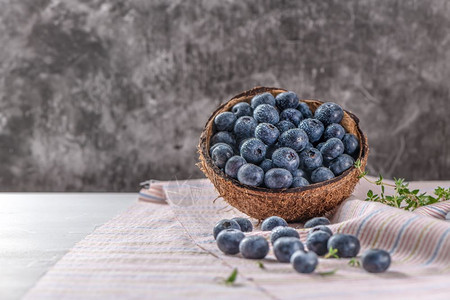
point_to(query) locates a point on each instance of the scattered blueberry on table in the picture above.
(304, 262)
(283, 231)
(272, 222)
(376, 260)
(228, 240)
(254, 247)
(225, 224)
(284, 247)
(281, 132)
(316, 222)
(347, 245)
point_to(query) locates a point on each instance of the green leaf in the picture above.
(357, 163)
(328, 273)
(354, 262)
(232, 278)
(260, 265)
(331, 253)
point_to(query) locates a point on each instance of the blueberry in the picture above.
(225, 224)
(253, 150)
(242, 109)
(305, 110)
(245, 127)
(285, 158)
(228, 240)
(310, 159)
(283, 231)
(351, 144)
(266, 98)
(313, 128)
(224, 137)
(316, 221)
(278, 178)
(244, 223)
(299, 173)
(266, 113)
(286, 100)
(266, 165)
(304, 262)
(272, 222)
(285, 125)
(376, 260)
(320, 145)
(341, 163)
(346, 245)
(319, 228)
(221, 154)
(334, 131)
(211, 149)
(233, 164)
(225, 121)
(292, 115)
(299, 182)
(254, 247)
(332, 149)
(329, 113)
(294, 138)
(321, 174)
(250, 174)
(317, 242)
(284, 247)
(267, 133)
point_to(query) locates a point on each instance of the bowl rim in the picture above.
(204, 152)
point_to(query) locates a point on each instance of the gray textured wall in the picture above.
(99, 95)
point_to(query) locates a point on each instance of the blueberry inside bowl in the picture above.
(268, 153)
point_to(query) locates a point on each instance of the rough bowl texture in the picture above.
(297, 204)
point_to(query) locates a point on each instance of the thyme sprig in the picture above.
(332, 253)
(403, 197)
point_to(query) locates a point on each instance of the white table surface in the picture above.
(37, 229)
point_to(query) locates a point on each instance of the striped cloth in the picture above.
(156, 251)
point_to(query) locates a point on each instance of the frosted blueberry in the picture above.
(272, 222)
(284, 125)
(299, 182)
(317, 242)
(250, 174)
(313, 128)
(334, 130)
(220, 154)
(225, 224)
(304, 262)
(284, 247)
(316, 221)
(292, 115)
(346, 245)
(351, 144)
(310, 159)
(265, 98)
(225, 121)
(266, 165)
(278, 178)
(242, 109)
(286, 100)
(254, 247)
(228, 240)
(341, 163)
(253, 150)
(245, 127)
(294, 138)
(244, 223)
(376, 260)
(329, 113)
(224, 137)
(286, 158)
(321, 174)
(332, 149)
(266, 113)
(320, 228)
(305, 110)
(283, 231)
(233, 164)
(267, 133)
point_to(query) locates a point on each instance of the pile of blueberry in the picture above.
(287, 247)
(278, 143)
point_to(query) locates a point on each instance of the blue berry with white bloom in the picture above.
(233, 164)
(244, 223)
(285, 247)
(267, 133)
(254, 247)
(316, 222)
(341, 163)
(332, 149)
(220, 154)
(283, 231)
(265, 98)
(285, 125)
(376, 260)
(351, 144)
(320, 228)
(317, 242)
(242, 109)
(310, 159)
(225, 224)
(250, 174)
(313, 128)
(245, 127)
(266, 113)
(299, 173)
(321, 174)
(292, 115)
(272, 222)
(329, 113)
(334, 130)
(224, 137)
(286, 158)
(286, 100)
(304, 262)
(228, 241)
(347, 245)
(299, 182)
(225, 121)
(305, 110)
(253, 150)
(294, 138)
(266, 165)
(278, 178)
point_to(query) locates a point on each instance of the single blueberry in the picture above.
(320, 228)
(329, 113)
(320, 145)
(321, 174)
(351, 144)
(266, 165)
(221, 154)
(317, 242)
(225, 121)
(316, 221)
(211, 149)
(278, 178)
(376, 260)
(225, 224)
(233, 164)
(250, 174)
(346, 245)
(285, 125)
(245, 127)
(305, 110)
(299, 173)
(272, 222)
(266, 98)
(334, 131)
(267, 133)
(284, 247)
(341, 163)
(313, 128)
(286, 158)
(294, 138)
(304, 262)
(224, 137)
(299, 182)
(310, 159)
(283, 231)
(242, 109)
(292, 115)
(266, 113)
(254, 247)
(286, 100)
(253, 150)
(228, 240)
(332, 149)
(244, 223)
